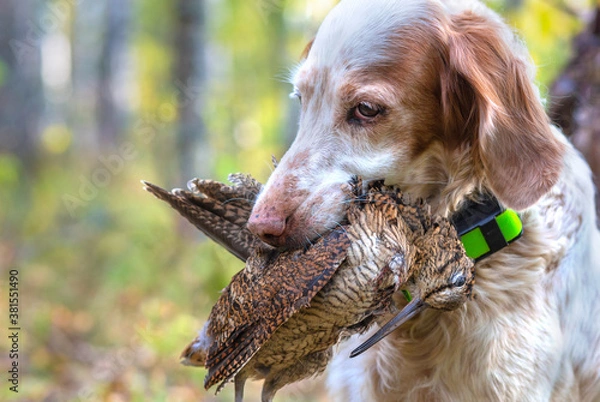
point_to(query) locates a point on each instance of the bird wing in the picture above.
(218, 210)
(263, 296)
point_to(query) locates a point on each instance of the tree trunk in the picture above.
(109, 119)
(575, 97)
(20, 80)
(189, 77)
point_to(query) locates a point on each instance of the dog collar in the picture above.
(485, 227)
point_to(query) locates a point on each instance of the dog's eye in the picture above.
(296, 95)
(366, 111)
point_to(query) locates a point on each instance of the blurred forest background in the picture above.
(98, 94)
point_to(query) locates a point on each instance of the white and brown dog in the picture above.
(438, 97)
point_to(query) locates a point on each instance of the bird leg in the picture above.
(239, 383)
(268, 393)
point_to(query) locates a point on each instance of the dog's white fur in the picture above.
(458, 114)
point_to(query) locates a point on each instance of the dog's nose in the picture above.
(268, 227)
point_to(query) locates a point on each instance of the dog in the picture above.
(438, 97)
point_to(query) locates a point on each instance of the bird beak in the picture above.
(408, 312)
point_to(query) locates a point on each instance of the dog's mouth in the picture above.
(320, 212)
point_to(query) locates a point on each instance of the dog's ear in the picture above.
(489, 100)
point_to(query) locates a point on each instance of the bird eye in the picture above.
(366, 111)
(459, 280)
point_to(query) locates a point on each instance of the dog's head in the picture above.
(436, 97)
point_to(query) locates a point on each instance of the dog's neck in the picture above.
(446, 179)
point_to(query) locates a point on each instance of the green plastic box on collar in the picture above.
(485, 227)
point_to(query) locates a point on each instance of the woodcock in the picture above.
(280, 317)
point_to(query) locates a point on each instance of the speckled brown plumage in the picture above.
(280, 316)
(359, 290)
(264, 295)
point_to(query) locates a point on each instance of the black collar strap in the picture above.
(485, 227)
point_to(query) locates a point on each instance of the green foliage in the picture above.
(547, 31)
